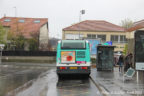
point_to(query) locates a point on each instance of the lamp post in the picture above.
(16, 19)
(81, 13)
(15, 11)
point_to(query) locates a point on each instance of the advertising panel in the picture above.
(93, 48)
(108, 43)
(68, 57)
(139, 49)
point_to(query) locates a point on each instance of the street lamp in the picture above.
(15, 11)
(1, 48)
(16, 18)
(81, 13)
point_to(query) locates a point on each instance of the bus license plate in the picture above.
(73, 67)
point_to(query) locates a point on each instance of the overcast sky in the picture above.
(63, 13)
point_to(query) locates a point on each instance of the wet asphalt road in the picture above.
(81, 87)
(42, 81)
(49, 85)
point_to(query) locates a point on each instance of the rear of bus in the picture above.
(73, 57)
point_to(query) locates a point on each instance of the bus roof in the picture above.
(73, 41)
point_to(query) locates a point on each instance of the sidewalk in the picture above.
(112, 84)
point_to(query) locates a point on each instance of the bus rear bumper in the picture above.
(79, 70)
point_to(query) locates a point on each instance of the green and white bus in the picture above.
(73, 57)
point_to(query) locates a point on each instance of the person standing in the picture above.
(126, 63)
(130, 59)
(120, 62)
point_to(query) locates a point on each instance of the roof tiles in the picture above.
(27, 27)
(136, 26)
(94, 25)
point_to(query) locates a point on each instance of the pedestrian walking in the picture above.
(121, 62)
(115, 60)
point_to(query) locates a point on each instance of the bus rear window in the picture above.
(73, 45)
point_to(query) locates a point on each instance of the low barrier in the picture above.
(29, 56)
(29, 53)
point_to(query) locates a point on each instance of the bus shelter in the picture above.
(105, 57)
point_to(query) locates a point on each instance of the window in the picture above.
(73, 36)
(102, 37)
(93, 36)
(89, 36)
(7, 20)
(118, 38)
(36, 21)
(21, 21)
(73, 44)
(122, 39)
(114, 38)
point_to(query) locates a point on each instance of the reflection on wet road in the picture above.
(42, 81)
(49, 85)
(44, 85)
(13, 77)
(78, 87)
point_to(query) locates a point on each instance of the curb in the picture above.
(100, 88)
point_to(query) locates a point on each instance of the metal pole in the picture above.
(16, 18)
(1, 48)
(15, 11)
(137, 77)
(81, 12)
(79, 21)
(1, 56)
(80, 16)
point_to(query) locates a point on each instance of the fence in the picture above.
(29, 53)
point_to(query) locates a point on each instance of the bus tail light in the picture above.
(62, 67)
(84, 67)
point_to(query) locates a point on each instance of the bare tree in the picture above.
(126, 23)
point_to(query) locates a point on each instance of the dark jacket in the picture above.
(121, 59)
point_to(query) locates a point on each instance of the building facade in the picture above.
(93, 29)
(36, 28)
